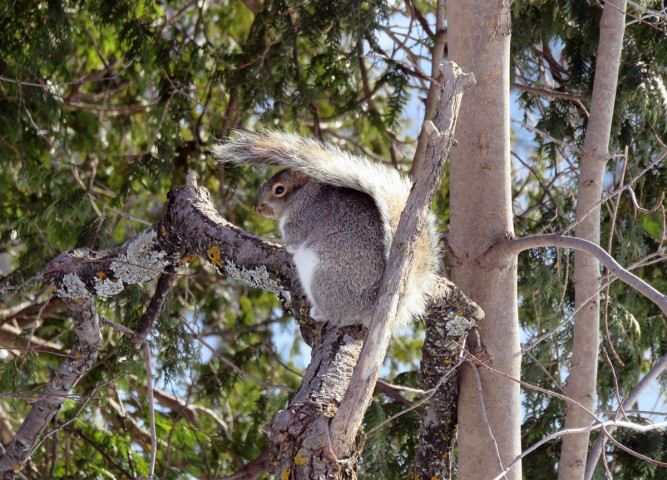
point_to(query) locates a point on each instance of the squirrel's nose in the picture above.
(261, 208)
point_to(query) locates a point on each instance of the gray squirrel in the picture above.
(337, 215)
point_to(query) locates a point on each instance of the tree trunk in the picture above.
(581, 384)
(481, 215)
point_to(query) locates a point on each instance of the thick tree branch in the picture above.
(190, 225)
(438, 426)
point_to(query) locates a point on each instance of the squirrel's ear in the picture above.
(300, 178)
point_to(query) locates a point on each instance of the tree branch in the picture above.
(74, 367)
(434, 88)
(573, 431)
(190, 224)
(514, 247)
(651, 376)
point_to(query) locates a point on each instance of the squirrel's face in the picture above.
(276, 192)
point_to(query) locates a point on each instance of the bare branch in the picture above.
(547, 136)
(618, 191)
(434, 88)
(87, 344)
(151, 409)
(485, 418)
(549, 93)
(652, 375)
(427, 397)
(572, 431)
(556, 240)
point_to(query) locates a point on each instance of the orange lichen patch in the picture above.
(284, 475)
(493, 75)
(101, 275)
(447, 361)
(188, 259)
(164, 231)
(214, 256)
(460, 314)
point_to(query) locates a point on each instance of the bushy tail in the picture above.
(323, 162)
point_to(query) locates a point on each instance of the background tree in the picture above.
(104, 107)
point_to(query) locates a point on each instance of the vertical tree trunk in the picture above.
(481, 215)
(581, 384)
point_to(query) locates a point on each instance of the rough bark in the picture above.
(581, 383)
(300, 434)
(438, 427)
(302, 441)
(481, 216)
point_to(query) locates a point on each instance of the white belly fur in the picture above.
(306, 261)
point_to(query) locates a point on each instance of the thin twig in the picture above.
(428, 395)
(550, 93)
(617, 192)
(544, 134)
(485, 418)
(658, 368)
(151, 408)
(612, 228)
(231, 364)
(572, 431)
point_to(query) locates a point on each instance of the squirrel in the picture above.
(337, 214)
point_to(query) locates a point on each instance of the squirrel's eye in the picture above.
(278, 190)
